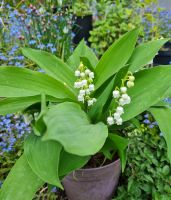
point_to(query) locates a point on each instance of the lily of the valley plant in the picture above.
(78, 108)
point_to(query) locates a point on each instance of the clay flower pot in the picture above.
(93, 184)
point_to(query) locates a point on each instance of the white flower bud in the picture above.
(87, 71)
(125, 96)
(77, 84)
(120, 110)
(82, 74)
(94, 100)
(82, 92)
(123, 89)
(128, 100)
(121, 102)
(130, 84)
(116, 116)
(81, 98)
(90, 102)
(116, 94)
(110, 120)
(91, 75)
(91, 87)
(87, 91)
(84, 82)
(81, 65)
(77, 73)
(131, 78)
(119, 121)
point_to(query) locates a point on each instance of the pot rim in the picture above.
(98, 168)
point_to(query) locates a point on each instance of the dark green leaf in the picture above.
(69, 125)
(115, 57)
(69, 162)
(21, 183)
(150, 87)
(81, 51)
(43, 158)
(12, 105)
(52, 65)
(163, 118)
(96, 110)
(121, 145)
(20, 82)
(144, 53)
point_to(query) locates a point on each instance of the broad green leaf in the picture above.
(108, 149)
(117, 84)
(69, 162)
(16, 104)
(144, 53)
(70, 126)
(121, 145)
(82, 50)
(163, 118)
(150, 87)
(20, 82)
(96, 110)
(43, 158)
(115, 57)
(52, 65)
(21, 183)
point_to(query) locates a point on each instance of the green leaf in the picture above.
(69, 162)
(121, 145)
(21, 183)
(52, 65)
(82, 50)
(150, 87)
(20, 82)
(115, 57)
(163, 118)
(13, 105)
(96, 110)
(70, 126)
(43, 158)
(108, 149)
(144, 53)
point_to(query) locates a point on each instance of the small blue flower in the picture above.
(146, 121)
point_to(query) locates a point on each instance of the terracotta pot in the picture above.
(93, 184)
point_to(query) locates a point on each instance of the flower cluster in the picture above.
(122, 98)
(12, 129)
(85, 84)
(26, 27)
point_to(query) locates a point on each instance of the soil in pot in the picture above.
(97, 183)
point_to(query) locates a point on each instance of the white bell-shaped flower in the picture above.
(116, 116)
(120, 110)
(81, 98)
(123, 89)
(119, 121)
(110, 120)
(87, 71)
(77, 73)
(91, 75)
(130, 84)
(90, 102)
(82, 92)
(84, 82)
(91, 87)
(116, 94)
